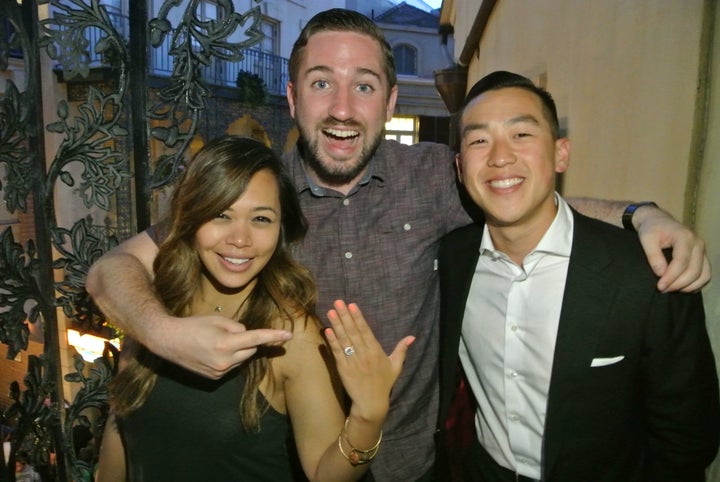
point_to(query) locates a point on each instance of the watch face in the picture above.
(627, 215)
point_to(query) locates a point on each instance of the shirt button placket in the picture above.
(348, 254)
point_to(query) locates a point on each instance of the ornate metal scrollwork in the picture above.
(90, 141)
(194, 44)
(92, 163)
(18, 288)
(92, 395)
(36, 416)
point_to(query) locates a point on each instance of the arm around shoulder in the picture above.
(689, 269)
(120, 282)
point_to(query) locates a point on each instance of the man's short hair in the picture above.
(342, 20)
(502, 79)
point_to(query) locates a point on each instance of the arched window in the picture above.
(405, 59)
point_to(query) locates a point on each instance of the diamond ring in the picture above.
(349, 350)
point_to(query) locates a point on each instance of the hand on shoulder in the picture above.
(689, 268)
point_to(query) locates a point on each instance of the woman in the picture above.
(234, 219)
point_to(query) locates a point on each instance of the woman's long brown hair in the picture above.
(285, 291)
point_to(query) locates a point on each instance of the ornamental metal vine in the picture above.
(36, 415)
(92, 161)
(90, 140)
(194, 43)
(93, 395)
(18, 289)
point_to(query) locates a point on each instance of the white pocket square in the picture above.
(603, 362)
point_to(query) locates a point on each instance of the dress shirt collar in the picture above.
(557, 239)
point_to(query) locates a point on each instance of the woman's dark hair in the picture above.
(285, 291)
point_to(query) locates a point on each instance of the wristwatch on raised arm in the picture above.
(630, 210)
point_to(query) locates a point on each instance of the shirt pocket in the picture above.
(411, 246)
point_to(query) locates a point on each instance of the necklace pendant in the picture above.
(218, 308)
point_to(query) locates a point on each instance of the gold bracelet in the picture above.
(357, 456)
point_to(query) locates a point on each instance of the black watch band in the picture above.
(630, 210)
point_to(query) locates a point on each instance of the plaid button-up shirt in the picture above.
(377, 247)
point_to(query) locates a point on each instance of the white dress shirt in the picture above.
(508, 341)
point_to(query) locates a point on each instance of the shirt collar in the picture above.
(557, 239)
(303, 182)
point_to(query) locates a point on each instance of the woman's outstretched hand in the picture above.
(366, 372)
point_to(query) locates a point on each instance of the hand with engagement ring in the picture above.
(366, 371)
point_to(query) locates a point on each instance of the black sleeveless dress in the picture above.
(189, 430)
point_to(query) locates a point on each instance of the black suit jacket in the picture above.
(654, 416)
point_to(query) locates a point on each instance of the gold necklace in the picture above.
(216, 308)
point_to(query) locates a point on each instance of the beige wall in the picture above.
(626, 77)
(708, 207)
(623, 75)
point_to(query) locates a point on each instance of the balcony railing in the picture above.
(272, 69)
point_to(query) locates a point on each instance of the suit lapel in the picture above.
(458, 258)
(588, 297)
(462, 260)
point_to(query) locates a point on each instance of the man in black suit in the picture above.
(580, 369)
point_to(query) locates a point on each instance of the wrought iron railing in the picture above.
(272, 69)
(98, 136)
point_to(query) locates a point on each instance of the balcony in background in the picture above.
(272, 69)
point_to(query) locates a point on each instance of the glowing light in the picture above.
(89, 346)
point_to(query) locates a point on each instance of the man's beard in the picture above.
(338, 176)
